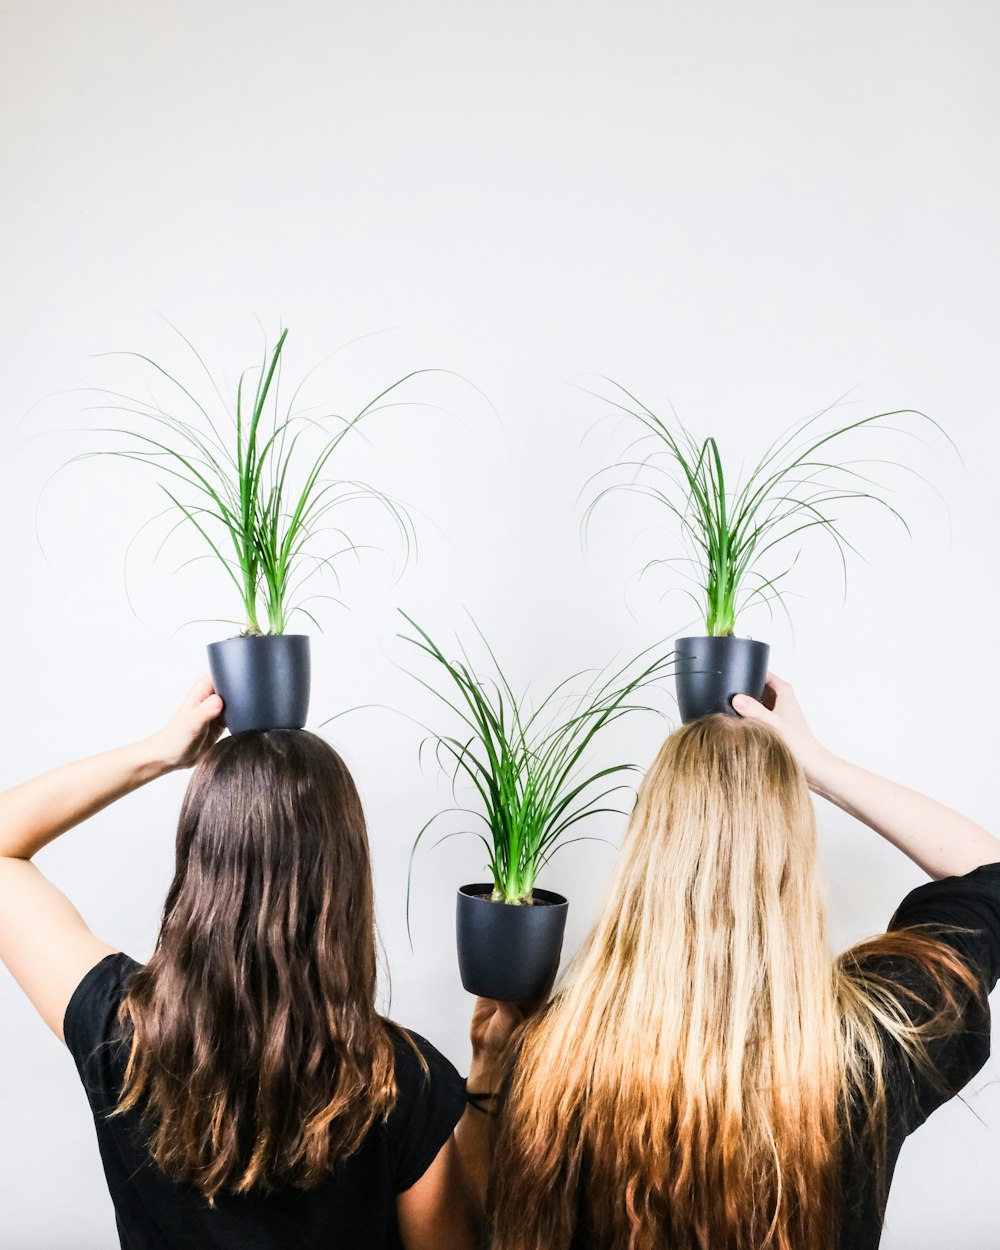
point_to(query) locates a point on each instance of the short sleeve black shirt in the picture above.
(354, 1208)
(964, 912)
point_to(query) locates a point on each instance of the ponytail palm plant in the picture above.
(736, 525)
(735, 528)
(528, 765)
(254, 482)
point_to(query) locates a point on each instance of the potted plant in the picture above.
(733, 526)
(528, 771)
(259, 496)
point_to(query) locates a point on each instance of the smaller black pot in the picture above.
(711, 670)
(509, 952)
(263, 681)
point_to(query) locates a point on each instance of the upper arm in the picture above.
(44, 940)
(434, 1213)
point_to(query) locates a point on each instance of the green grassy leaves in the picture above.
(528, 767)
(736, 527)
(255, 482)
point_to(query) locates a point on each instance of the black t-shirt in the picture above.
(972, 903)
(354, 1208)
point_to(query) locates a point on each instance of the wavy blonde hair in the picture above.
(690, 1085)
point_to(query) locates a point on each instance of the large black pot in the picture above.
(709, 671)
(509, 952)
(263, 681)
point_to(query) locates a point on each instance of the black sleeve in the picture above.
(430, 1101)
(970, 903)
(90, 1015)
(964, 913)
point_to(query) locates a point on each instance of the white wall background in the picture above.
(745, 210)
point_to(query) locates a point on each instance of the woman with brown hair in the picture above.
(709, 1077)
(245, 1091)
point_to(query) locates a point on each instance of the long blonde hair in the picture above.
(690, 1085)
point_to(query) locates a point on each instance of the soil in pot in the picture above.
(263, 680)
(505, 951)
(711, 670)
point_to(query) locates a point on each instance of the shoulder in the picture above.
(942, 945)
(979, 889)
(964, 914)
(927, 980)
(91, 1013)
(430, 1100)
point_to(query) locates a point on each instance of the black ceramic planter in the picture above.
(263, 681)
(509, 952)
(711, 670)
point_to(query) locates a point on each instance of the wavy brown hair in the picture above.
(690, 1086)
(256, 1055)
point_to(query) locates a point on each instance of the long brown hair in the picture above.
(688, 1087)
(256, 1055)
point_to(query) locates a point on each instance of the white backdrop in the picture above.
(743, 210)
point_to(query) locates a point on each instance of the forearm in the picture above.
(943, 842)
(35, 812)
(474, 1139)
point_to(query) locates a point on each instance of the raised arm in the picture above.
(493, 1024)
(44, 940)
(943, 842)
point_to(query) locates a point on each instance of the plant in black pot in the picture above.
(735, 526)
(528, 770)
(255, 486)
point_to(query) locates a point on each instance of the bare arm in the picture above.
(38, 811)
(44, 940)
(446, 1208)
(435, 1214)
(474, 1143)
(943, 842)
(492, 1026)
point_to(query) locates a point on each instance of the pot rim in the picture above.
(220, 642)
(725, 638)
(480, 888)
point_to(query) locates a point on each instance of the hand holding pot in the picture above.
(780, 709)
(192, 729)
(493, 1025)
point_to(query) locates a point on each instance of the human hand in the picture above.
(493, 1025)
(780, 709)
(192, 729)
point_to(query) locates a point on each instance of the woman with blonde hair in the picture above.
(709, 1077)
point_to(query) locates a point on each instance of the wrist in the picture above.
(484, 1074)
(149, 759)
(821, 769)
